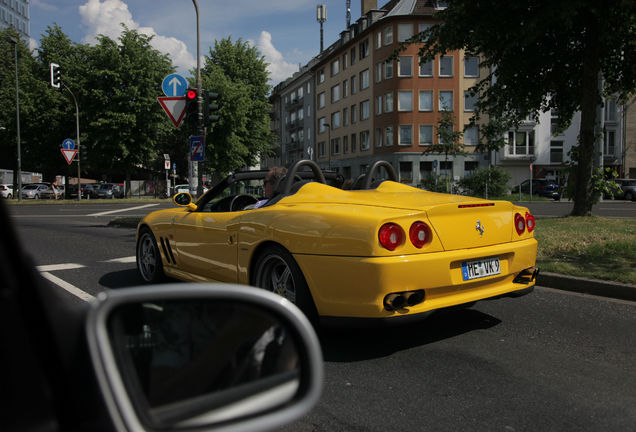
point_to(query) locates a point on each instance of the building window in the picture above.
(300, 92)
(446, 169)
(405, 100)
(364, 140)
(426, 100)
(335, 146)
(405, 31)
(378, 105)
(378, 72)
(388, 102)
(378, 137)
(364, 49)
(471, 136)
(345, 88)
(388, 70)
(353, 143)
(364, 79)
(345, 59)
(446, 66)
(388, 136)
(365, 110)
(471, 67)
(335, 120)
(345, 116)
(426, 169)
(426, 69)
(354, 85)
(321, 100)
(321, 149)
(521, 143)
(321, 125)
(405, 66)
(345, 144)
(470, 167)
(426, 135)
(308, 111)
(321, 76)
(554, 122)
(353, 56)
(388, 35)
(308, 88)
(378, 40)
(445, 100)
(335, 67)
(406, 171)
(406, 135)
(354, 114)
(470, 101)
(556, 152)
(610, 110)
(609, 143)
(301, 114)
(423, 27)
(335, 93)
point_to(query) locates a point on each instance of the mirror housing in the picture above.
(127, 344)
(184, 199)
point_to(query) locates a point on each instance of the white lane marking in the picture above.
(55, 267)
(128, 259)
(68, 287)
(122, 210)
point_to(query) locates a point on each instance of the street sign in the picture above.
(166, 164)
(68, 144)
(68, 154)
(197, 148)
(174, 85)
(174, 107)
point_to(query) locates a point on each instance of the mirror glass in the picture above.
(189, 363)
(183, 198)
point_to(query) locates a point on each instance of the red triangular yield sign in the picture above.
(69, 155)
(175, 108)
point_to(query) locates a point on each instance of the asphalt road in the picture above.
(551, 360)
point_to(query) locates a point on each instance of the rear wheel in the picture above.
(149, 261)
(277, 271)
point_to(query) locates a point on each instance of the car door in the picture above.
(206, 244)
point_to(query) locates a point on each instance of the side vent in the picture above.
(167, 251)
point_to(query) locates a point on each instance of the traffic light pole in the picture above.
(195, 181)
(79, 189)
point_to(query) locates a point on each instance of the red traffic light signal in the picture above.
(191, 95)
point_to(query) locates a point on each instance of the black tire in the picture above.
(148, 257)
(276, 270)
(629, 196)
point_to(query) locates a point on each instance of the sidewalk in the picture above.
(596, 287)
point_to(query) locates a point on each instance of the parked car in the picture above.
(541, 187)
(6, 190)
(628, 189)
(110, 190)
(384, 252)
(89, 190)
(39, 191)
(204, 357)
(182, 188)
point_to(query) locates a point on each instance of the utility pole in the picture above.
(195, 177)
(14, 41)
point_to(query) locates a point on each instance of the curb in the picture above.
(595, 287)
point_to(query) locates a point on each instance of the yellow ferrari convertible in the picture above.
(382, 250)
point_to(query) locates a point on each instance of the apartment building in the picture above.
(15, 13)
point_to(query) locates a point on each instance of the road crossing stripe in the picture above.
(55, 267)
(122, 210)
(68, 287)
(128, 259)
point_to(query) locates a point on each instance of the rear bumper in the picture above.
(355, 287)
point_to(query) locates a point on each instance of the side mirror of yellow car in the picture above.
(184, 199)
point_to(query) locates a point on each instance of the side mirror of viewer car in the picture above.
(184, 199)
(214, 357)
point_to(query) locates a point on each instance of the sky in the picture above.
(285, 31)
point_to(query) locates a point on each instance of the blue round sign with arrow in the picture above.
(174, 85)
(68, 144)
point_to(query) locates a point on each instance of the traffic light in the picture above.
(56, 75)
(192, 108)
(209, 107)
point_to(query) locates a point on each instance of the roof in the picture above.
(409, 7)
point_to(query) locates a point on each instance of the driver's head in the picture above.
(271, 178)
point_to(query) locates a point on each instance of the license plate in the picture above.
(480, 268)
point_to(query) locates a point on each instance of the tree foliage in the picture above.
(237, 72)
(542, 55)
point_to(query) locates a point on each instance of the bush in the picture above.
(497, 182)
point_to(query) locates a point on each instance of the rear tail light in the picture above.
(520, 224)
(530, 223)
(420, 234)
(390, 236)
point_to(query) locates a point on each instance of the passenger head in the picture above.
(271, 178)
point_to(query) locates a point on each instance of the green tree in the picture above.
(125, 126)
(545, 54)
(237, 72)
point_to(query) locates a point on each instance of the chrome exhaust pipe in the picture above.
(414, 297)
(527, 275)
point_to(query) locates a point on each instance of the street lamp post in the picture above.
(14, 41)
(200, 131)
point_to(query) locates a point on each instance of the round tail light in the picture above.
(530, 223)
(390, 236)
(420, 234)
(520, 224)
